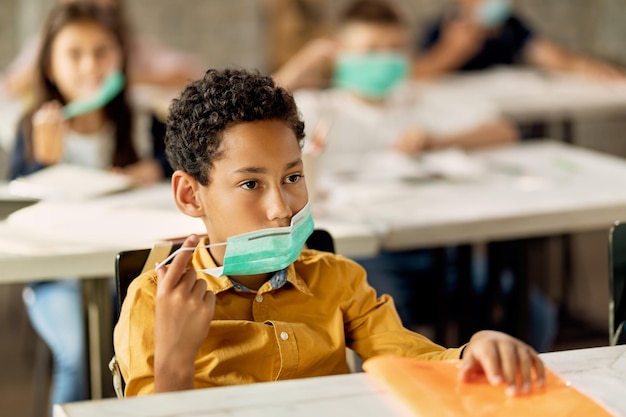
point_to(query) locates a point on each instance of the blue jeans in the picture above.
(56, 313)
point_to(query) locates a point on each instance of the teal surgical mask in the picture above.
(372, 75)
(261, 251)
(492, 13)
(110, 88)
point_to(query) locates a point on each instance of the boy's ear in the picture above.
(185, 188)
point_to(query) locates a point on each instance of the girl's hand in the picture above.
(48, 132)
(183, 313)
(504, 360)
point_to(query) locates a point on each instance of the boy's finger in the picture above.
(525, 366)
(469, 366)
(491, 364)
(170, 277)
(540, 370)
(509, 363)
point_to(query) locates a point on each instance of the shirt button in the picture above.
(284, 335)
(259, 298)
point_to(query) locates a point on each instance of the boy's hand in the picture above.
(311, 67)
(503, 359)
(463, 36)
(48, 130)
(413, 141)
(183, 313)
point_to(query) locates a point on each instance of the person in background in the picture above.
(370, 64)
(478, 34)
(229, 311)
(371, 110)
(83, 45)
(149, 61)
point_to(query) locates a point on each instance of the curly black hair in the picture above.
(206, 108)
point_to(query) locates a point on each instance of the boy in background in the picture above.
(372, 109)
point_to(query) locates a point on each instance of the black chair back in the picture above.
(617, 284)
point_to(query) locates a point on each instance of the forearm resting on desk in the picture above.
(489, 133)
(547, 55)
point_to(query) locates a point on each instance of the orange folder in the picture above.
(433, 389)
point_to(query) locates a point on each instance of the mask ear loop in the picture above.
(181, 249)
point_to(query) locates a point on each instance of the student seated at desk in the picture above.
(150, 62)
(371, 58)
(229, 311)
(371, 110)
(478, 34)
(82, 47)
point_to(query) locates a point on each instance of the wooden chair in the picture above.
(617, 284)
(130, 264)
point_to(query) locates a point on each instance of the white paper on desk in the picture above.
(453, 163)
(390, 165)
(104, 225)
(71, 182)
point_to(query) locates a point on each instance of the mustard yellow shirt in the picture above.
(298, 330)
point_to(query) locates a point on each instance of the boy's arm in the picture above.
(183, 313)
(489, 133)
(373, 328)
(546, 54)
(498, 131)
(458, 42)
(311, 67)
(372, 325)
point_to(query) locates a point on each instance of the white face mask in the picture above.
(261, 251)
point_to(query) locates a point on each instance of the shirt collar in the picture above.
(203, 257)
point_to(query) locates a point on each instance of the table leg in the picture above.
(99, 309)
(441, 305)
(466, 297)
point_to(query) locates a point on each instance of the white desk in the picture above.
(82, 238)
(529, 94)
(533, 189)
(599, 372)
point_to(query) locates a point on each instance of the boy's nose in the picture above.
(278, 207)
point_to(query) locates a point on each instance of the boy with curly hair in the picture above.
(247, 303)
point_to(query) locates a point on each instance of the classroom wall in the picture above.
(228, 32)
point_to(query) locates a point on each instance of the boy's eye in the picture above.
(250, 185)
(291, 179)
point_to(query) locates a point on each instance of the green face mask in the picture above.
(372, 75)
(110, 88)
(262, 251)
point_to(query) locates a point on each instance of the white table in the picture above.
(530, 94)
(598, 372)
(81, 238)
(532, 189)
